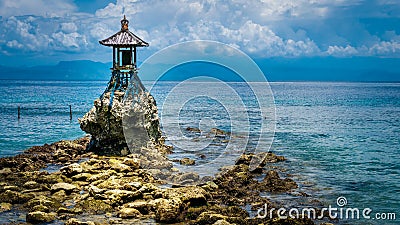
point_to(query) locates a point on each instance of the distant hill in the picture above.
(64, 70)
(365, 69)
(354, 69)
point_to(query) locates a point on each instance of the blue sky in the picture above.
(44, 32)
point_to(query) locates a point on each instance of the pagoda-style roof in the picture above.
(124, 37)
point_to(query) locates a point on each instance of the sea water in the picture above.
(340, 139)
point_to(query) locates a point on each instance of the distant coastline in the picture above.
(313, 69)
(203, 81)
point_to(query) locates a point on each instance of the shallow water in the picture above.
(341, 139)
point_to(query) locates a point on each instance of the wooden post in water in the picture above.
(70, 112)
(19, 112)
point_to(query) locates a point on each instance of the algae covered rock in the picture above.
(167, 210)
(39, 201)
(59, 196)
(187, 161)
(119, 166)
(273, 183)
(91, 205)
(40, 217)
(31, 185)
(119, 197)
(14, 197)
(195, 196)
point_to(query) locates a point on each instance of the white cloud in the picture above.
(14, 44)
(25, 33)
(68, 41)
(385, 48)
(341, 51)
(68, 27)
(261, 28)
(100, 31)
(260, 40)
(247, 24)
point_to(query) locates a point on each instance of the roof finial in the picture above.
(124, 23)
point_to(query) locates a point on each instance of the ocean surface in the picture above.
(340, 139)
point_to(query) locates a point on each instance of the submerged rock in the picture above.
(273, 183)
(259, 160)
(187, 161)
(193, 129)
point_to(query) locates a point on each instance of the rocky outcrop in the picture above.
(104, 124)
(120, 121)
(38, 157)
(118, 190)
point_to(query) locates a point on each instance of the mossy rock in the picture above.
(49, 203)
(40, 217)
(193, 212)
(14, 197)
(94, 206)
(195, 196)
(167, 210)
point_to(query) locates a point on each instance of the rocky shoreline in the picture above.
(93, 189)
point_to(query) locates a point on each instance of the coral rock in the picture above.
(68, 188)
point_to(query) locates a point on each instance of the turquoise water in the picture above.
(44, 111)
(341, 139)
(345, 137)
